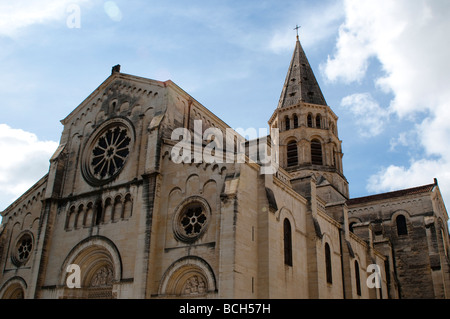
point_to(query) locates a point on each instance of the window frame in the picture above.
(357, 278)
(328, 264)
(401, 225)
(291, 154)
(287, 242)
(316, 152)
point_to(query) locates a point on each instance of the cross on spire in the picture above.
(296, 28)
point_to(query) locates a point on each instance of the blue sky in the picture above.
(382, 67)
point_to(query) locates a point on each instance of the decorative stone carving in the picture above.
(194, 285)
(103, 277)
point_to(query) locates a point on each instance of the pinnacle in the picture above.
(300, 84)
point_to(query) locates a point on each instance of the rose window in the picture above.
(24, 247)
(107, 151)
(191, 219)
(110, 153)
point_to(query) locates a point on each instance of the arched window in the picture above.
(401, 225)
(98, 212)
(117, 212)
(357, 278)
(295, 121)
(292, 154)
(80, 217)
(287, 123)
(318, 121)
(328, 264)
(89, 215)
(350, 227)
(316, 152)
(287, 235)
(71, 218)
(336, 159)
(127, 207)
(309, 120)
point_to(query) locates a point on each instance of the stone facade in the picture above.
(412, 225)
(118, 216)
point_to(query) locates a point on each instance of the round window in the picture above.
(191, 219)
(23, 249)
(107, 152)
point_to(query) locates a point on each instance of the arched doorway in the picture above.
(14, 288)
(188, 277)
(14, 292)
(99, 269)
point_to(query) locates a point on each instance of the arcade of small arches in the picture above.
(317, 121)
(99, 212)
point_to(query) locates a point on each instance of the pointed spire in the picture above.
(301, 84)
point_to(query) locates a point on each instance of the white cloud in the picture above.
(406, 139)
(369, 30)
(24, 160)
(19, 14)
(410, 40)
(351, 61)
(419, 172)
(370, 118)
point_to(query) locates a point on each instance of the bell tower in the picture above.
(309, 142)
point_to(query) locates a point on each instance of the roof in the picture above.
(300, 84)
(404, 192)
(115, 75)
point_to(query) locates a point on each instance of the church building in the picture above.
(119, 215)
